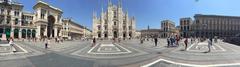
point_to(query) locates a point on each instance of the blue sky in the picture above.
(147, 12)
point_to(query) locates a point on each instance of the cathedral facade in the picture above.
(113, 23)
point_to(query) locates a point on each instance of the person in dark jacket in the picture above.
(94, 42)
(155, 40)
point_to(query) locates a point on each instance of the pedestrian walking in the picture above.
(209, 44)
(171, 41)
(141, 40)
(94, 42)
(156, 40)
(186, 43)
(47, 43)
(177, 40)
(215, 39)
(11, 44)
(192, 40)
(168, 42)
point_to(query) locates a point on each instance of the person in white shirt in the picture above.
(11, 44)
(209, 45)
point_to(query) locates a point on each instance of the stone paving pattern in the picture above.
(75, 54)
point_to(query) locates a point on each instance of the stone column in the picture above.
(55, 32)
(38, 31)
(26, 34)
(20, 33)
(12, 32)
(31, 33)
(45, 31)
(60, 32)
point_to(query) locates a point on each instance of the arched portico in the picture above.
(29, 33)
(16, 33)
(33, 33)
(24, 33)
(50, 26)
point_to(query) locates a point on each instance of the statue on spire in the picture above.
(94, 14)
(119, 3)
(109, 2)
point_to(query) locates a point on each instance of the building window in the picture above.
(130, 27)
(115, 14)
(43, 12)
(8, 12)
(8, 19)
(99, 27)
(16, 13)
(124, 27)
(115, 23)
(197, 21)
(16, 21)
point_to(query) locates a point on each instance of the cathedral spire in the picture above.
(119, 3)
(102, 9)
(109, 2)
(94, 14)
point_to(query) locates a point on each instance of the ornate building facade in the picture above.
(46, 21)
(185, 27)
(216, 25)
(114, 23)
(72, 30)
(168, 28)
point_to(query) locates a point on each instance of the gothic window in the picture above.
(99, 27)
(130, 27)
(115, 14)
(115, 23)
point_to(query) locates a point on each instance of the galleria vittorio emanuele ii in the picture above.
(45, 22)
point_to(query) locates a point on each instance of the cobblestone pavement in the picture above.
(127, 53)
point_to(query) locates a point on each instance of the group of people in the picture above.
(173, 41)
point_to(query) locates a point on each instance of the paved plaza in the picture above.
(127, 53)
